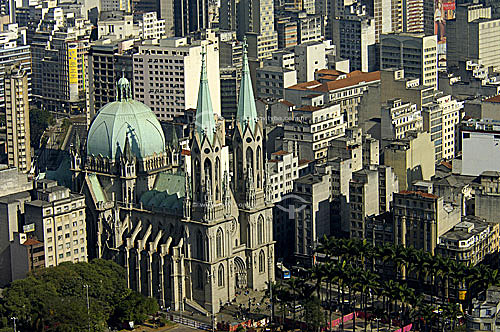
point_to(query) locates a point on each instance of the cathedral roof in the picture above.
(122, 119)
(247, 111)
(167, 193)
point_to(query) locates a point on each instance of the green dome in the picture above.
(121, 119)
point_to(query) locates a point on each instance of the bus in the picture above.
(282, 272)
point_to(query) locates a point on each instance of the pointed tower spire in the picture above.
(205, 120)
(247, 112)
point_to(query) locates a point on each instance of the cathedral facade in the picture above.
(190, 228)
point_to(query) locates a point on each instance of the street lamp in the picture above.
(14, 321)
(88, 303)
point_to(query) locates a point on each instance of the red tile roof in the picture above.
(351, 79)
(287, 103)
(185, 152)
(419, 193)
(303, 162)
(495, 99)
(31, 242)
(280, 153)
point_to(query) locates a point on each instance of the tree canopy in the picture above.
(55, 299)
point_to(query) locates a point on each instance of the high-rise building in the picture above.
(59, 220)
(388, 16)
(106, 63)
(419, 16)
(58, 76)
(441, 118)
(398, 118)
(354, 36)
(473, 35)
(183, 17)
(165, 72)
(415, 53)
(17, 118)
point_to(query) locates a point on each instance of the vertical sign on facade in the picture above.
(73, 71)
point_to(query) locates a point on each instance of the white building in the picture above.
(309, 58)
(116, 25)
(166, 75)
(283, 169)
(480, 146)
(440, 119)
(151, 27)
(402, 117)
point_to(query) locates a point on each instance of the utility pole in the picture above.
(88, 304)
(14, 320)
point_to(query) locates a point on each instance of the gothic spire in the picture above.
(247, 113)
(205, 120)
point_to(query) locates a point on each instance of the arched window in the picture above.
(197, 180)
(220, 276)
(199, 277)
(260, 230)
(258, 164)
(249, 158)
(199, 245)
(219, 243)
(262, 261)
(217, 178)
(207, 169)
(239, 163)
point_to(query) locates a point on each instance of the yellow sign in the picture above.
(461, 295)
(73, 64)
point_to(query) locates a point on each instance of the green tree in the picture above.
(40, 120)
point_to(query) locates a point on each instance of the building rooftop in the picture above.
(418, 193)
(494, 99)
(351, 79)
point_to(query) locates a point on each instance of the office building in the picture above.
(354, 38)
(58, 73)
(420, 219)
(182, 17)
(272, 81)
(419, 16)
(412, 158)
(106, 63)
(165, 72)
(473, 35)
(415, 53)
(17, 119)
(309, 58)
(388, 16)
(287, 32)
(485, 311)
(395, 84)
(151, 27)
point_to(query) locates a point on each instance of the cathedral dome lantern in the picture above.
(123, 119)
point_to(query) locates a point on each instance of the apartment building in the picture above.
(479, 140)
(59, 218)
(398, 118)
(312, 128)
(151, 27)
(17, 119)
(166, 75)
(272, 81)
(470, 242)
(441, 117)
(116, 25)
(344, 89)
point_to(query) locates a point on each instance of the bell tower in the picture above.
(255, 214)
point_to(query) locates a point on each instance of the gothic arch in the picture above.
(249, 158)
(217, 178)
(197, 179)
(262, 261)
(260, 230)
(220, 276)
(240, 273)
(258, 164)
(219, 243)
(199, 245)
(199, 277)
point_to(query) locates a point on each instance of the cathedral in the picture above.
(190, 228)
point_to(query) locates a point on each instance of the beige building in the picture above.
(59, 221)
(397, 48)
(167, 72)
(17, 118)
(421, 218)
(412, 158)
(394, 83)
(471, 241)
